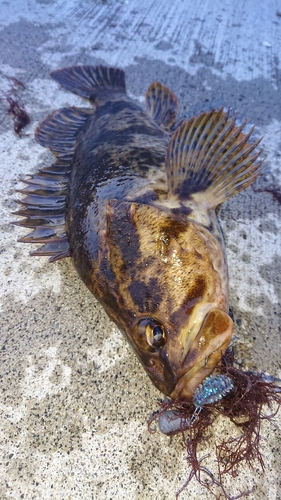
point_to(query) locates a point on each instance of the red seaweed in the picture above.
(16, 107)
(244, 407)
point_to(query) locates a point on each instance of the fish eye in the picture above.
(151, 333)
(158, 334)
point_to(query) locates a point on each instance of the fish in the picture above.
(133, 199)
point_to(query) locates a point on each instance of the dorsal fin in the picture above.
(209, 158)
(162, 105)
(89, 81)
(45, 191)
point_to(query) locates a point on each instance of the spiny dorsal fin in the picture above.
(209, 158)
(88, 81)
(162, 105)
(45, 192)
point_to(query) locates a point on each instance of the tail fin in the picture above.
(89, 81)
(209, 158)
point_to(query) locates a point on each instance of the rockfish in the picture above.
(132, 199)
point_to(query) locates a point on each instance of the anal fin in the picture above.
(209, 159)
(162, 105)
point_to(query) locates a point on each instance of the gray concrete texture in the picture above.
(74, 400)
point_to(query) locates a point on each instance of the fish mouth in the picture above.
(205, 353)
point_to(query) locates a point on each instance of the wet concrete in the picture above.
(74, 400)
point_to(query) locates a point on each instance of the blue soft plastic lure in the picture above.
(212, 389)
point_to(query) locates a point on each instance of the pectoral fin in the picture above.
(209, 159)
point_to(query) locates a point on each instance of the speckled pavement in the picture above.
(74, 400)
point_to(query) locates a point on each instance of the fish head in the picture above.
(168, 293)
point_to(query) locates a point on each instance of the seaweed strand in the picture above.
(244, 407)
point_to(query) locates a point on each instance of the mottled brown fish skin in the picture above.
(135, 257)
(141, 258)
(120, 148)
(158, 266)
(132, 199)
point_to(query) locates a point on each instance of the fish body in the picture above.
(132, 200)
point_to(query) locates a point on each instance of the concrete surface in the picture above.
(74, 400)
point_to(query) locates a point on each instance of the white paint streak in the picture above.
(261, 246)
(247, 281)
(49, 96)
(111, 352)
(13, 413)
(37, 383)
(175, 28)
(271, 143)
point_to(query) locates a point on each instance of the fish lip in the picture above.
(215, 335)
(184, 388)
